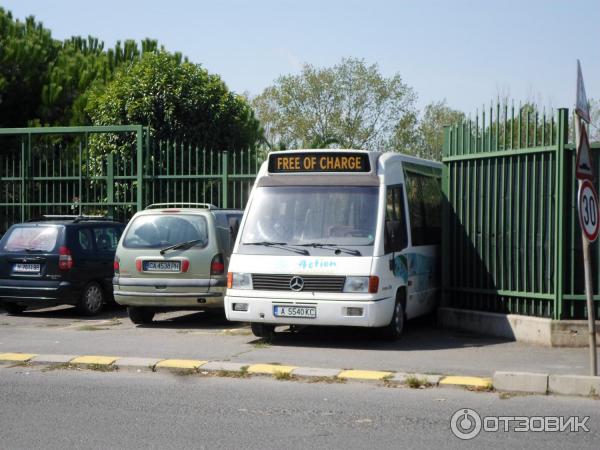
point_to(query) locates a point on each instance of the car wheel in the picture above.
(14, 309)
(264, 331)
(92, 299)
(395, 328)
(140, 315)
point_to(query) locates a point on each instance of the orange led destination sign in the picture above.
(319, 162)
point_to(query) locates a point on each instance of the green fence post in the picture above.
(140, 167)
(561, 140)
(224, 179)
(22, 174)
(445, 216)
(110, 183)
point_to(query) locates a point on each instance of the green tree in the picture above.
(424, 136)
(26, 49)
(349, 105)
(177, 100)
(81, 65)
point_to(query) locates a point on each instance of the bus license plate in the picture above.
(162, 266)
(303, 312)
(27, 268)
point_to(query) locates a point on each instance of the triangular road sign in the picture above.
(584, 168)
(582, 107)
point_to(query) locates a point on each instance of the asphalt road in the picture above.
(424, 348)
(62, 409)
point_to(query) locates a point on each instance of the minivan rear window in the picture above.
(32, 239)
(163, 231)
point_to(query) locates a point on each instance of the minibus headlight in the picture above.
(356, 284)
(362, 284)
(241, 281)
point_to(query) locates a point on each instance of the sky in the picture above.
(466, 52)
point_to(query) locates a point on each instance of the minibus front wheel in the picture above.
(263, 330)
(395, 328)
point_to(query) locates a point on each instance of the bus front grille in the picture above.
(311, 283)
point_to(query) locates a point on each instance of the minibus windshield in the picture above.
(321, 219)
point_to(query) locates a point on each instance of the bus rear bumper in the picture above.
(376, 313)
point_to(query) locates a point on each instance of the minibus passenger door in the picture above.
(396, 237)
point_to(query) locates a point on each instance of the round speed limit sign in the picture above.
(588, 210)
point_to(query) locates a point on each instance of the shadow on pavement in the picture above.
(190, 320)
(420, 334)
(109, 311)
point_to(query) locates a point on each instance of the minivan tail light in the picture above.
(138, 265)
(185, 265)
(217, 266)
(65, 260)
(116, 265)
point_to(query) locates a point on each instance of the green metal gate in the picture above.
(55, 170)
(511, 238)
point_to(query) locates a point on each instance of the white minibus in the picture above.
(337, 237)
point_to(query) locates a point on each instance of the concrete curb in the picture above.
(527, 382)
(583, 385)
(524, 382)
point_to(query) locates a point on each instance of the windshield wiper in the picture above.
(181, 246)
(333, 246)
(282, 245)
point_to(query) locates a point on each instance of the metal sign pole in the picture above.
(589, 289)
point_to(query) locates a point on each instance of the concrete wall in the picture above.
(533, 330)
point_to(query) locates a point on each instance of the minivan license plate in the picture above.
(27, 268)
(162, 266)
(303, 312)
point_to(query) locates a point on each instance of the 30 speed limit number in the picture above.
(588, 210)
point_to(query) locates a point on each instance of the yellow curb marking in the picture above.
(17, 357)
(180, 363)
(91, 359)
(270, 369)
(466, 381)
(364, 374)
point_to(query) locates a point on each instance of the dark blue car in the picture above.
(58, 260)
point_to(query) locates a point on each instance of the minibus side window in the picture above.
(395, 236)
(424, 197)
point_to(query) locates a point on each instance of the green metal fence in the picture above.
(62, 170)
(511, 238)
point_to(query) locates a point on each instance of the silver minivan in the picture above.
(174, 256)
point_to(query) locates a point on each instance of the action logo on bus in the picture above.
(319, 162)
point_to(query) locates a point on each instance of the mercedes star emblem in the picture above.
(296, 284)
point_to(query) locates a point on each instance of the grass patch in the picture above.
(242, 373)
(21, 364)
(261, 343)
(102, 367)
(487, 388)
(414, 382)
(283, 376)
(184, 372)
(61, 366)
(329, 380)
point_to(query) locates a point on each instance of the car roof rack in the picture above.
(182, 204)
(74, 218)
